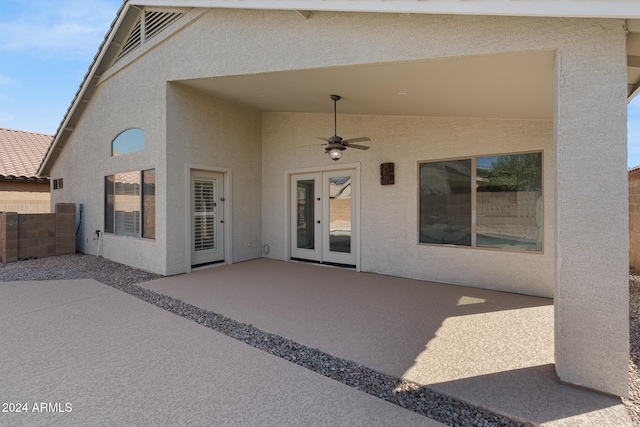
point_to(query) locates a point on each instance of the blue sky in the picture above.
(46, 47)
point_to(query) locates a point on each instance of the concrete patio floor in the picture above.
(491, 349)
(117, 360)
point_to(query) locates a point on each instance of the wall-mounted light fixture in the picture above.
(387, 175)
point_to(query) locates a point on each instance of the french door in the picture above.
(207, 217)
(323, 217)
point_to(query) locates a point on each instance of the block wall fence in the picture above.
(25, 197)
(24, 236)
(24, 202)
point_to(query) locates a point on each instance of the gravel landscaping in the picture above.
(633, 403)
(422, 400)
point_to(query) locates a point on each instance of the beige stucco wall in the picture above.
(127, 100)
(591, 300)
(389, 218)
(206, 132)
(586, 258)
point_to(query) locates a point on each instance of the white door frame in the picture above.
(227, 209)
(355, 204)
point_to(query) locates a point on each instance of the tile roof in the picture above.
(21, 152)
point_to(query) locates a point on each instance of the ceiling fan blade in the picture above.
(361, 139)
(324, 139)
(358, 147)
(313, 145)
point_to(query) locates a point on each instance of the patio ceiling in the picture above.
(517, 85)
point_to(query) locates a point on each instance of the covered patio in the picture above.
(491, 349)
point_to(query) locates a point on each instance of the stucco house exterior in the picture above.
(193, 140)
(21, 190)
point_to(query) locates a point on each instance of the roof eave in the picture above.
(29, 179)
(556, 8)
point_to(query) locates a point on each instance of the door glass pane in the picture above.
(340, 214)
(205, 214)
(305, 214)
(509, 202)
(445, 202)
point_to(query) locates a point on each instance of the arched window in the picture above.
(127, 142)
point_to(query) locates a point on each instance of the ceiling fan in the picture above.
(335, 144)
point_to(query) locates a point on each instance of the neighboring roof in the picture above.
(634, 171)
(21, 153)
(129, 13)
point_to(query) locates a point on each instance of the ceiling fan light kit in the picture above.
(335, 153)
(336, 145)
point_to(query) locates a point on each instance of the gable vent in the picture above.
(134, 40)
(155, 22)
(152, 25)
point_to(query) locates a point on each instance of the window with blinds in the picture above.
(204, 214)
(130, 204)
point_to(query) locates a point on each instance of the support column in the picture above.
(591, 293)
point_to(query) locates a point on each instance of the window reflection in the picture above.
(127, 203)
(445, 202)
(149, 203)
(509, 202)
(340, 214)
(130, 204)
(305, 214)
(507, 206)
(127, 142)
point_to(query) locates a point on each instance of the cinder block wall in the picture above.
(25, 197)
(25, 202)
(634, 218)
(25, 236)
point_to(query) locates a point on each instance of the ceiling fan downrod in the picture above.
(335, 98)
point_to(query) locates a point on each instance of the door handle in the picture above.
(318, 221)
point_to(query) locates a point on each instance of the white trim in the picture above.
(228, 246)
(287, 204)
(551, 8)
